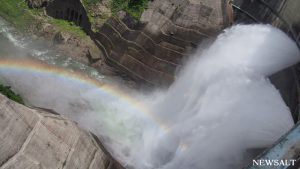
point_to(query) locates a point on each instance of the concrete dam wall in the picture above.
(38, 138)
(150, 50)
(284, 15)
(279, 13)
(71, 10)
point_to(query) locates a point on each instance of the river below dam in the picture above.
(14, 44)
(221, 109)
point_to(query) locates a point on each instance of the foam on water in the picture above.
(219, 109)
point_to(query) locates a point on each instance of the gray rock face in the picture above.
(61, 37)
(37, 139)
(71, 10)
(37, 3)
(152, 49)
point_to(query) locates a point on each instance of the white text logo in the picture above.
(261, 162)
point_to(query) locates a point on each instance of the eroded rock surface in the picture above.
(37, 139)
(37, 3)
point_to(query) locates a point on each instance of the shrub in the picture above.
(6, 90)
(134, 7)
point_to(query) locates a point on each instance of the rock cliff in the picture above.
(39, 139)
(37, 3)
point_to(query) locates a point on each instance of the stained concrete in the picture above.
(284, 15)
(152, 49)
(35, 138)
(71, 10)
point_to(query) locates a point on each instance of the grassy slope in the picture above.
(70, 27)
(134, 7)
(22, 17)
(90, 2)
(5, 90)
(17, 13)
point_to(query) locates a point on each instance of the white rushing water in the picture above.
(222, 105)
(220, 108)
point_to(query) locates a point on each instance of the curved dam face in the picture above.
(152, 49)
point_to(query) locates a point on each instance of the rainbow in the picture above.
(36, 66)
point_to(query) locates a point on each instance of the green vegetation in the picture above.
(6, 90)
(87, 3)
(22, 17)
(17, 12)
(134, 7)
(67, 26)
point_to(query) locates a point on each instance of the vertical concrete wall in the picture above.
(285, 15)
(289, 11)
(288, 84)
(257, 9)
(71, 10)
